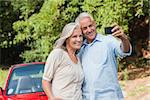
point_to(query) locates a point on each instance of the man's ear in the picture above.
(94, 23)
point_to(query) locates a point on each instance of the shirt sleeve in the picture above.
(51, 65)
(124, 54)
(118, 50)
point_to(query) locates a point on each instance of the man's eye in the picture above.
(90, 25)
(84, 28)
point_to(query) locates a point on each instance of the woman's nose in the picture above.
(79, 38)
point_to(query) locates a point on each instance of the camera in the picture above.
(108, 30)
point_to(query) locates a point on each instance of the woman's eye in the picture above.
(74, 36)
(81, 36)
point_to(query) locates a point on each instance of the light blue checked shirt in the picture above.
(99, 61)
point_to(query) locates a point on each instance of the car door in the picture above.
(31, 96)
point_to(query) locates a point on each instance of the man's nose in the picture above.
(88, 29)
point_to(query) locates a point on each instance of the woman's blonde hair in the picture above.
(66, 33)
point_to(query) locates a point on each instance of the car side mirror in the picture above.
(1, 91)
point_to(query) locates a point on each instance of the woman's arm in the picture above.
(47, 87)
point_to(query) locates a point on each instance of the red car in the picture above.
(24, 82)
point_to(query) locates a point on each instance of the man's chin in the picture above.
(91, 37)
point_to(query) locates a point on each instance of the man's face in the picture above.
(88, 28)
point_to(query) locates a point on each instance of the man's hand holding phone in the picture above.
(115, 30)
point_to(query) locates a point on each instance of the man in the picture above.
(99, 60)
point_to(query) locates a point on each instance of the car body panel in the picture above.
(24, 82)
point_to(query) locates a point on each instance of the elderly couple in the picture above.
(85, 70)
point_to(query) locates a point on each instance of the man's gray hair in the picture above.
(83, 15)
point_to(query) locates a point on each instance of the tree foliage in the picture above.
(7, 17)
(42, 29)
(41, 21)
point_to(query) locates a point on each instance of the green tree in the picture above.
(41, 29)
(7, 18)
(11, 11)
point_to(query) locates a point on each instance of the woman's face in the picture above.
(75, 40)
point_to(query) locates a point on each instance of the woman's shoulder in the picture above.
(58, 52)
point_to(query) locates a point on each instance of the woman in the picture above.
(63, 76)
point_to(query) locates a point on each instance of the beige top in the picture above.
(65, 75)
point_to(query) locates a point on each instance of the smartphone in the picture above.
(108, 30)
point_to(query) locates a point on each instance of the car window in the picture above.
(26, 79)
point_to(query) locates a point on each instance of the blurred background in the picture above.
(29, 28)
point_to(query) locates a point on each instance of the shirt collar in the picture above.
(97, 38)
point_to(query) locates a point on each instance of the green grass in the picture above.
(139, 90)
(3, 76)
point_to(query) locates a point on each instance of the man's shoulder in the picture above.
(107, 37)
(104, 37)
